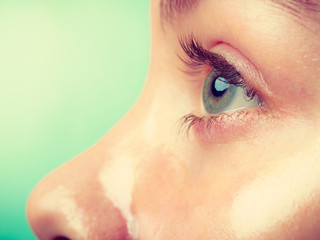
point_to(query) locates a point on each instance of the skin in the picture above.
(257, 178)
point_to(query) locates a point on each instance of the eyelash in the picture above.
(195, 57)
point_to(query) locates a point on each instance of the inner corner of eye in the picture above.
(208, 69)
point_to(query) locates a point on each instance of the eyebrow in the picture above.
(170, 10)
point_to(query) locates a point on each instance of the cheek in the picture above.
(175, 198)
(158, 194)
(164, 197)
(281, 203)
(199, 196)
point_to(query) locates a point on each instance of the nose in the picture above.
(87, 198)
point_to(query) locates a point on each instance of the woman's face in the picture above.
(198, 157)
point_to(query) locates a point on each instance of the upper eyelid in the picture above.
(223, 55)
(224, 58)
(198, 56)
(248, 70)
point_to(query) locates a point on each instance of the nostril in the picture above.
(61, 238)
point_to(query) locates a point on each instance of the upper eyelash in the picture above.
(196, 56)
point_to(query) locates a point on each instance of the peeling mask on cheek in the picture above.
(278, 196)
(117, 180)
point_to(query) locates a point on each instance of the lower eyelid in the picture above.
(225, 127)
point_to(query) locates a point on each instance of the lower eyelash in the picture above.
(220, 124)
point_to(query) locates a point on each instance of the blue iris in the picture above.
(217, 93)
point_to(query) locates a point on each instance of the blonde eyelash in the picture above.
(204, 124)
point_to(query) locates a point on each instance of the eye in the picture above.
(219, 95)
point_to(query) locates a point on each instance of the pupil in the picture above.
(219, 87)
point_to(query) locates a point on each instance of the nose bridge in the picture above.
(89, 197)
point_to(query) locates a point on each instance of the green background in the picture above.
(69, 70)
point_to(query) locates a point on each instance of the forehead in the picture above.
(173, 9)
